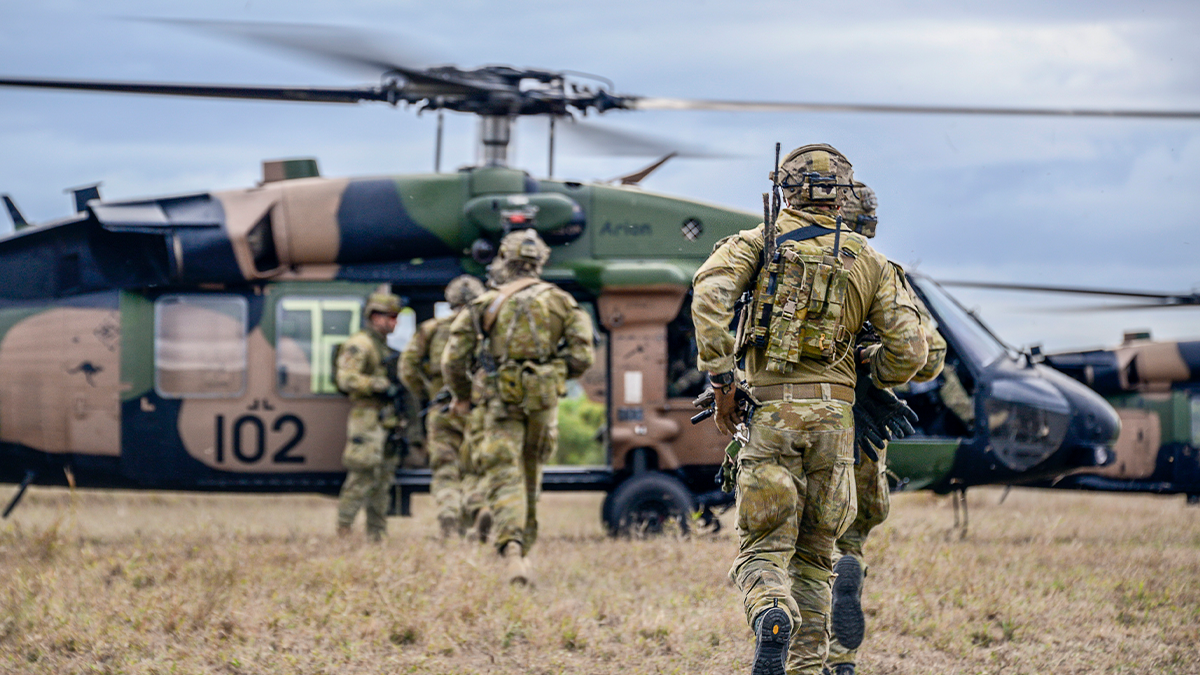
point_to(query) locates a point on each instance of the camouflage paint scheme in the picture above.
(1155, 387)
(86, 287)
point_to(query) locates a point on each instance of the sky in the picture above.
(1092, 202)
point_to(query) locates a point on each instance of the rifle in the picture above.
(727, 475)
(397, 396)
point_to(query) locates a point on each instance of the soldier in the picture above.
(421, 371)
(795, 477)
(369, 458)
(870, 478)
(529, 337)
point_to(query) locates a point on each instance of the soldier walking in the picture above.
(870, 479)
(369, 458)
(528, 337)
(795, 478)
(453, 486)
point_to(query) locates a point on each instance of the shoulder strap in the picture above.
(503, 294)
(804, 233)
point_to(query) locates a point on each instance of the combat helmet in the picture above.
(522, 253)
(859, 210)
(383, 303)
(814, 175)
(463, 289)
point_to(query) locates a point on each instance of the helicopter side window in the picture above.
(200, 346)
(308, 333)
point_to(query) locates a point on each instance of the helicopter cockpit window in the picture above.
(200, 346)
(977, 344)
(308, 332)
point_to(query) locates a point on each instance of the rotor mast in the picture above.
(495, 132)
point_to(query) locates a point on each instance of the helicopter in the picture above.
(184, 342)
(1153, 385)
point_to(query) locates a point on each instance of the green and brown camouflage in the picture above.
(1155, 388)
(82, 298)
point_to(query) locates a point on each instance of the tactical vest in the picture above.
(796, 311)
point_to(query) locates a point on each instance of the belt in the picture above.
(791, 392)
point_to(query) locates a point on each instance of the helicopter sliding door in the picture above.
(233, 390)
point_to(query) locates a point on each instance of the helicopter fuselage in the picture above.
(186, 342)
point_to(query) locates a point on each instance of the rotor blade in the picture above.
(375, 51)
(1167, 298)
(1122, 307)
(653, 103)
(344, 46)
(608, 141)
(306, 94)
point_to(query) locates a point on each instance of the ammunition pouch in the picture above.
(531, 385)
(796, 312)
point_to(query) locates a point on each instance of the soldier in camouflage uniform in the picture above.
(795, 478)
(453, 486)
(870, 478)
(369, 459)
(529, 337)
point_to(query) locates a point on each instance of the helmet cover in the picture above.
(814, 175)
(463, 289)
(859, 210)
(383, 303)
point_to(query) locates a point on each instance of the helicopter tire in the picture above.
(646, 503)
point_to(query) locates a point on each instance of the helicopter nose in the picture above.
(1095, 426)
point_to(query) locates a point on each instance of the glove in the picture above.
(868, 438)
(728, 416)
(879, 416)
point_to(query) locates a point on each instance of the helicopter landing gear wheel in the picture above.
(647, 504)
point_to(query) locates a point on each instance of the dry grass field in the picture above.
(118, 582)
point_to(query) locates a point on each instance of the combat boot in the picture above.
(448, 526)
(518, 565)
(343, 531)
(773, 633)
(483, 524)
(839, 669)
(846, 614)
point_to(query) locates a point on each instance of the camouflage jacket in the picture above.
(876, 291)
(421, 362)
(361, 372)
(937, 343)
(539, 323)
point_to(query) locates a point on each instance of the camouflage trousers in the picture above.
(510, 455)
(454, 485)
(874, 503)
(370, 471)
(795, 487)
(367, 488)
